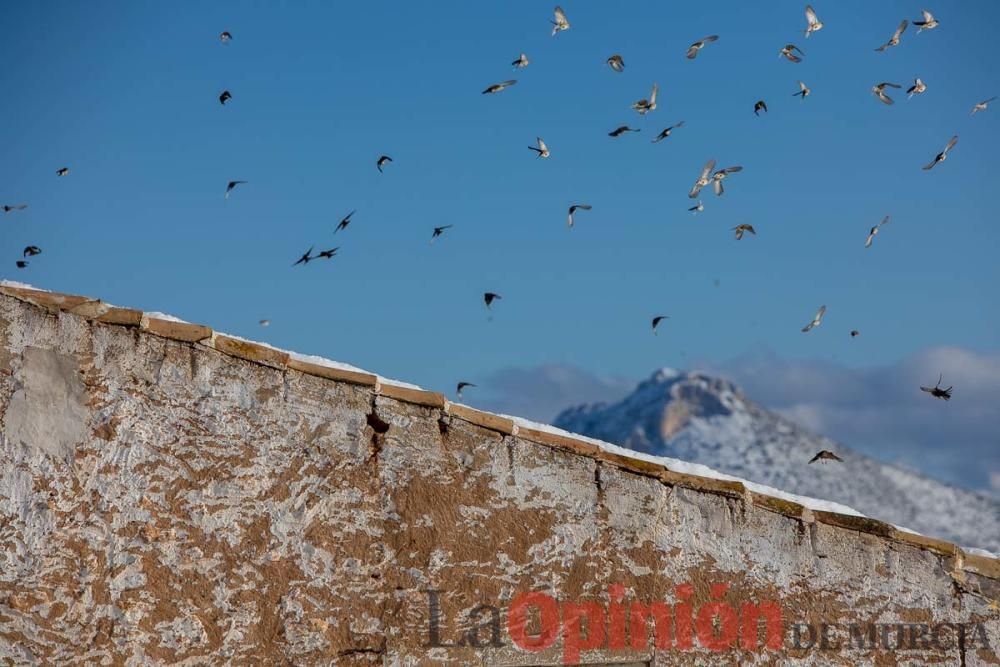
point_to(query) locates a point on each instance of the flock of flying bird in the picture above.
(709, 175)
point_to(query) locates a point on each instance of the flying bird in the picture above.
(618, 131)
(573, 209)
(62, 171)
(225, 37)
(645, 106)
(382, 160)
(894, 40)
(937, 392)
(855, 333)
(460, 386)
(264, 323)
(816, 321)
(657, 320)
(703, 179)
(21, 263)
(616, 63)
(497, 87)
(327, 254)
(306, 258)
(803, 91)
(943, 155)
(231, 185)
(346, 220)
(787, 51)
(718, 176)
(560, 23)
(438, 231)
(15, 207)
(929, 22)
(917, 88)
(814, 24)
(981, 106)
(878, 91)
(521, 62)
(759, 106)
(225, 97)
(490, 297)
(666, 133)
(31, 251)
(874, 230)
(825, 455)
(693, 50)
(542, 149)
(697, 208)
(741, 229)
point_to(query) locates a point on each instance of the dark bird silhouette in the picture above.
(225, 97)
(803, 91)
(855, 333)
(31, 251)
(306, 258)
(740, 229)
(825, 455)
(382, 161)
(657, 320)
(460, 386)
(758, 107)
(693, 50)
(521, 62)
(618, 131)
(616, 63)
(937, 392)
(490, 297)
(943, 155)
(225, 37)
(62, 171)
(232, 184)
(21, 263)
(894, 40)
(15, 207)
(666, 133)
(697, 208)
(573, 209)
(788, 52)
(438, 231)
(327, 254)
(497, 87)
(346, 220)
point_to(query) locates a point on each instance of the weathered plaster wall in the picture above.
(165, 502)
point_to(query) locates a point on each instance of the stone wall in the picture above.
(169, 495)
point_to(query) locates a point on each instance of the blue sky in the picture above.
(125, 94)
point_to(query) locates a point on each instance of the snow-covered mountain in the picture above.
(708, 420)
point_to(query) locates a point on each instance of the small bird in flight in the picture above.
(787, 52)
(616, 63)
(666, 133)
(814, 24)
(929, 22)
(894, 40)
(231, 185)
(438, 231)
(878, 91)
(264, 323)
(718, 176)
(741, 229)
(937, 392)
(693, 50)
(31, 251)
(703, 179)
(645, 106)
(327, 254)
(874, 230)
(560, 23)
(15, 207)
(816, 321)
(346, 220)
(855, 333)
(943, 155)
(21, 264)
(618, 131)
(542, 149)
(306, 258)
(62, 171)
(225, 97)
(490, 297)
(981, 106)
(697, 208)
(803, 91)
(225, 37)
(917, 88)
(825, 455)
(573, 209)
(521, 62)
(657, 320)
(382, 160)
(497, 87)
(460, 386)
(759, 106)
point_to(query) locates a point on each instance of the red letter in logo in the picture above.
(573, 612)
(774, 629)
(517, 621)
(728, 623)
